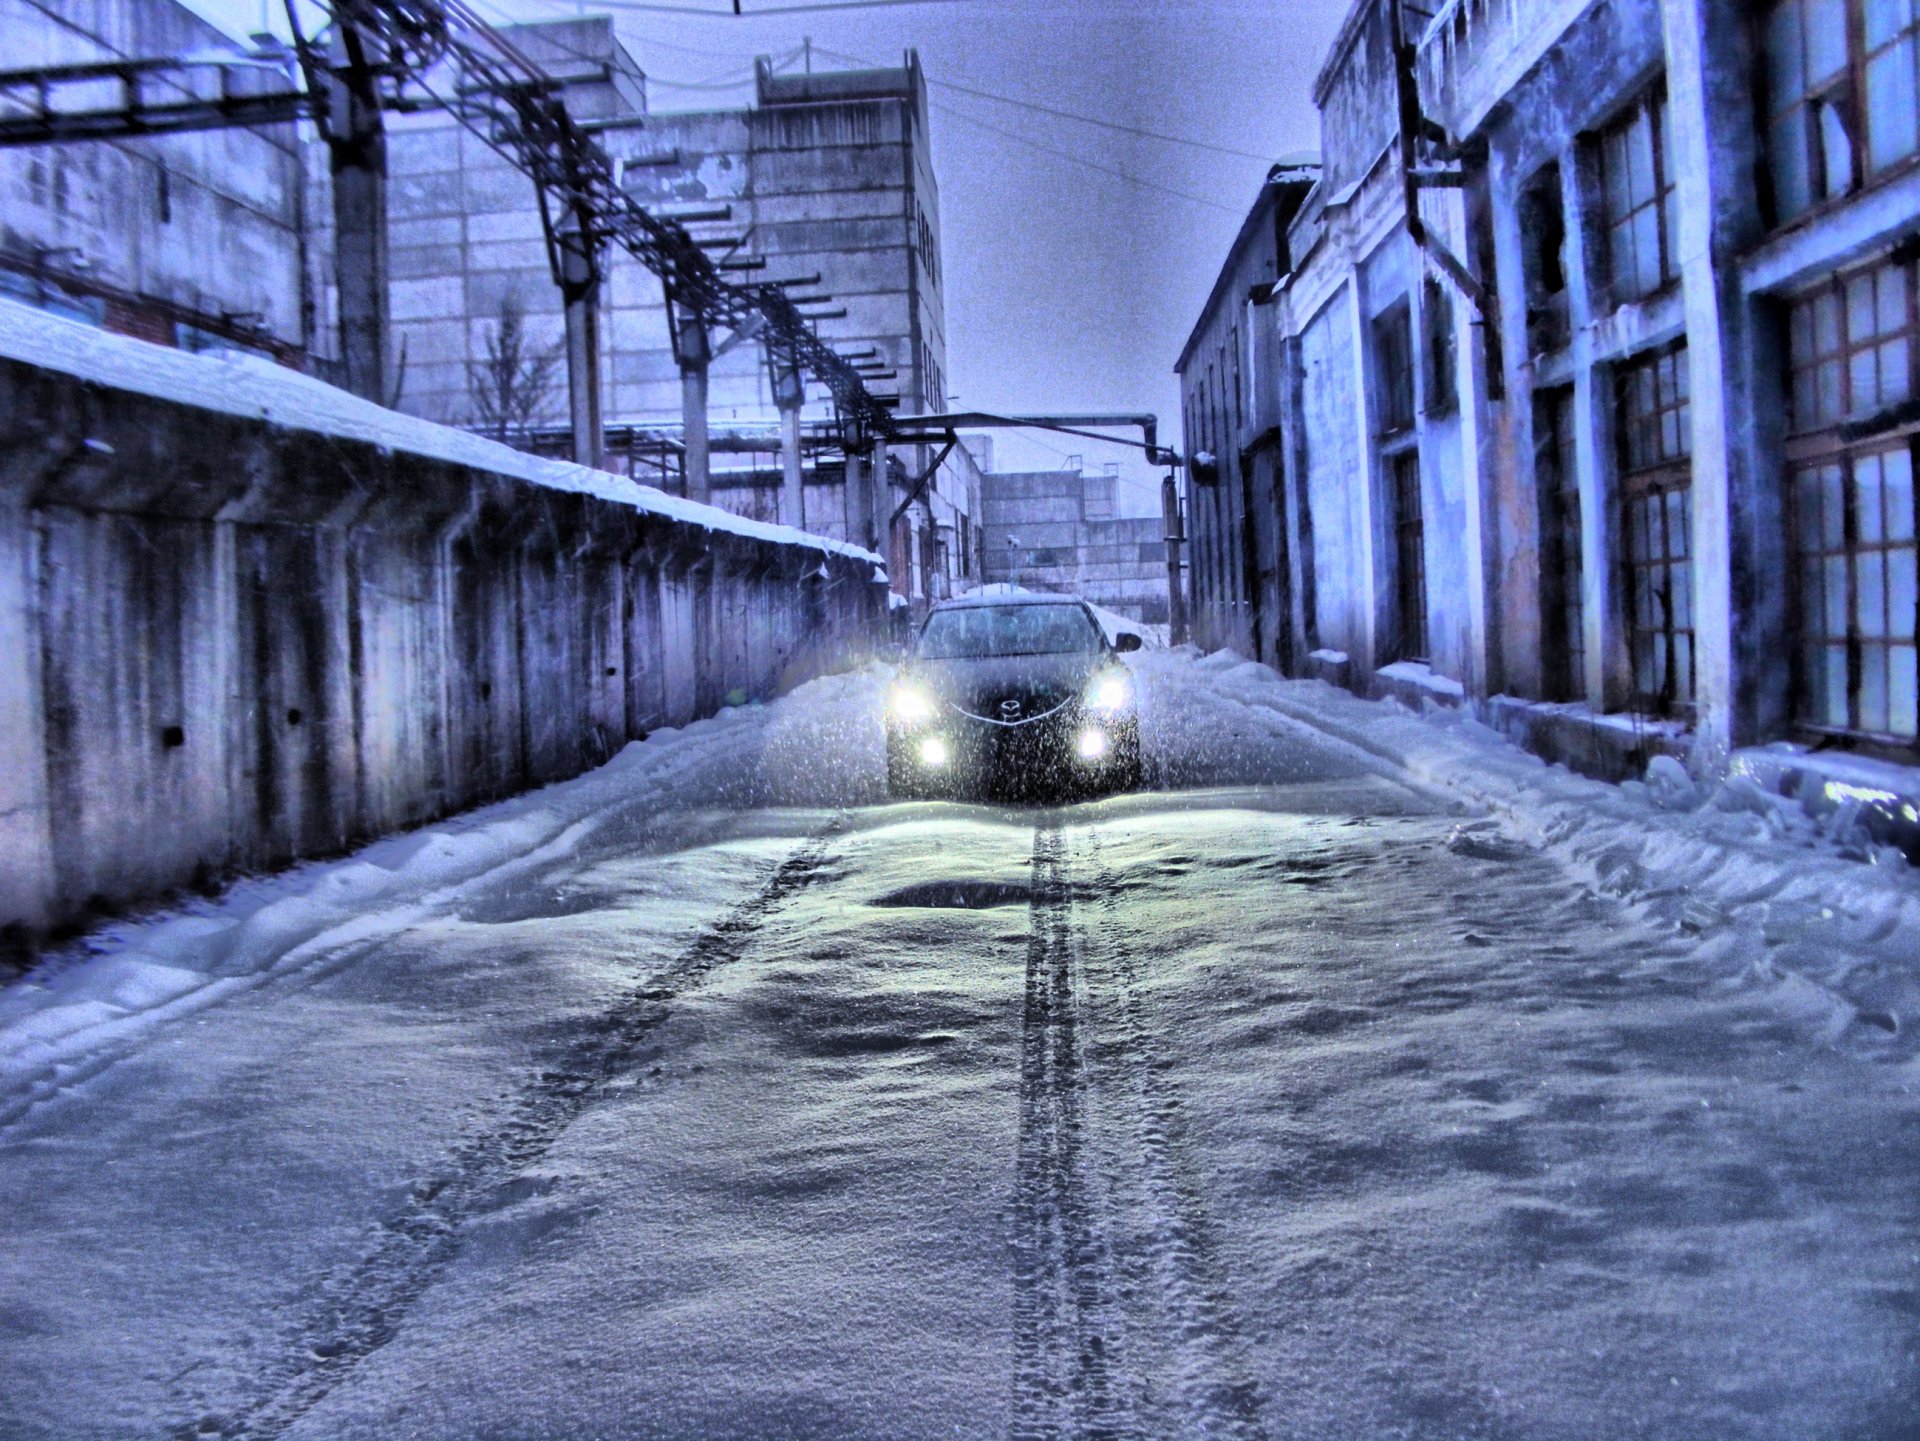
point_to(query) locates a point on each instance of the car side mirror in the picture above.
(1127, 640)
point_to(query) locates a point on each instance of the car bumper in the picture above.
(1046, 754)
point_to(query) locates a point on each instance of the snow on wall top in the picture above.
(255, 388)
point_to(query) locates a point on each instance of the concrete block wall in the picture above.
(225, 645)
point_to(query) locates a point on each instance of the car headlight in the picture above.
(910, 703)
(1111, 693)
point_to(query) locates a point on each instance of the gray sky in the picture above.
(1068, 286)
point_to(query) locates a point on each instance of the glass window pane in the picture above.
(1807, 508)
(1886, 19)
(1836, 687)
(1872, 578)
(1836, 150)
(1646, 252)
(1826, 323)
(1900, 594)
(1860, 307)
(1677, 522)
(1891, 115)
(1863, 383)
(1896, 378)
(1837, 595)
(1866, 499)
(1835, 519)
(1902, 719)
(1639, 144)
(1873, 688)
(1891, 297)
(1896, 469)
(1683, 596)
(1826, 39)
(1828, 392)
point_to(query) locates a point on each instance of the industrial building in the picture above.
(1591, 355)
(1059, 530)
(226, 238)
(195, 240)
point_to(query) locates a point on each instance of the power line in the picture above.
(647, 7)
(1069, 114)
(1081, 160)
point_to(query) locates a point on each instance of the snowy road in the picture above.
(712, 1096)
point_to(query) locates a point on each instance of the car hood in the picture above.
(1010, 688)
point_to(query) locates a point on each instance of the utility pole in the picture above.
(789, 394)
(577, 264)
(357, 161)
(1176, 537)
(693, 350)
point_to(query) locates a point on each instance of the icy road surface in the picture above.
(712, 1096)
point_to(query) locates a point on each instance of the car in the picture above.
(1020, 694)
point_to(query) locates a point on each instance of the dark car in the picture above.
(1014, 694)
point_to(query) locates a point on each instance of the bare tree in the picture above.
(513, 384)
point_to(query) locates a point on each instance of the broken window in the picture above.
(1656, 486)
(1393, 369)
(1436, 318)
(1563, 648)
(1543, 230)
(1851, 462)
(1841, 96)
(1639, 228)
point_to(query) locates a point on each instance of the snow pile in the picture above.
(233, 383)
(1765, 884)
(77, 1013)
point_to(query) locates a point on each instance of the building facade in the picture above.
(195, 240)
(1613, 428)
(825, 182)
(1057, 530)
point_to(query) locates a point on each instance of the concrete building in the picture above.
(194, 240)
(1057, 530)
(1613, 434)
(827, 179)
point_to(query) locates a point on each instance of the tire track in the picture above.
(1124, 1324)
(362, 1307)
(1214, 1386)
(1066, 1330)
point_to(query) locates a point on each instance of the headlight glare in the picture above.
(910, 703)
(1110, 693)
(934, 752)
(1093, 744)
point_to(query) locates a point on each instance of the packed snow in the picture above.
(232, 382)
(1359, 1077)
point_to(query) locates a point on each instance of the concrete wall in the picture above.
(226, 645)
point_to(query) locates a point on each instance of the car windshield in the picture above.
(989, 630)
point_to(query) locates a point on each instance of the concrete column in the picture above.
(357, 160)
(880, 498)
(857, 499)
(1737, 533)
(1176, 590)
(580, 295)
(693, 351)
(26, 837)
(789, 394)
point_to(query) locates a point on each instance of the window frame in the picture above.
(1828, 449)
(1657, 483)
(1651, 108)
(1844, 95)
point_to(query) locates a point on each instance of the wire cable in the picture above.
(1082, 160)
(1068, 114)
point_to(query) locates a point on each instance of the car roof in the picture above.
(1025, 597)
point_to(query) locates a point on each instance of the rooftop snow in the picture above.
(257, 389)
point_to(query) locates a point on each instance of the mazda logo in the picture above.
(1009, 709)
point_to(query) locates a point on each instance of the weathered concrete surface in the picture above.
(228, 645)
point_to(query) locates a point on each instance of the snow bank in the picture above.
(233, 383)
(1787, 893)
(84, 1008)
